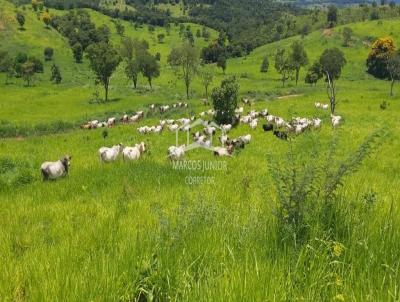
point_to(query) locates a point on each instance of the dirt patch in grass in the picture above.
(328, 32)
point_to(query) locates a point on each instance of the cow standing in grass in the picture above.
(55, 170)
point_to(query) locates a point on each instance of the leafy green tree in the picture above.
(35, 5)
(347, 35)
(20, 19)
(132, 71)
(314, 73)
(207, 76)
(46, 19)
(131, 50)
(28, 72)
(119, 28)
(55, 74)
(332, 16)
(149, 67)
(77, 51)
(161, 38)
(104, 60)
(225, 101)
(38, 65)
(6, 65)
(264, 65)
(394, 70)
(221, 63)
(48, 53)
(298, 57)
(283, 65)
(332, 62)
(185, 60)
(20, 59)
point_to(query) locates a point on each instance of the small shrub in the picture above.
(308, 189)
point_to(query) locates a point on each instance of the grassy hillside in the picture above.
(70, 101)
(126, 231)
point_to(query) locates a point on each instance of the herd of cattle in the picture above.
(281, 128)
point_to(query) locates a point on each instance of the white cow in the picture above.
(134, 153)
(110, 154)
(54, 170)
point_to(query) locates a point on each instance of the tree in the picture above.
(21, 19)
(225, 101)
(221, 63)
(149, 67)
(35, 5)
(55, 74)
(6, 65)
(377, 61)
(104, 60)
(28, 72)
(119, 28)
(264, 65)
(332, 15)
(206, 76)
(185, 61)
(20, 59)
(298, 57)
(77, 51)
(347, 34)
(48, 53)
(332, 62)
(161, 38)
(46, 19)
(394, 70)
(130, 51)
(283, 65)
(132, 71)
(37, 64)
(314, 73)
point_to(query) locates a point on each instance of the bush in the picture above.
(308, 189)
(48, 53)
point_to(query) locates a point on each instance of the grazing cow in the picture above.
(134, 153)
(226, 128)
(110, 154)
(268, 127)
(111, 121)
(173, 127)
(336, 119)
(223, 139)
(209, 130)
(54, 170)
(281, 135)
(176, 153)
(253, 124)
(246, 101)
(224, 151)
